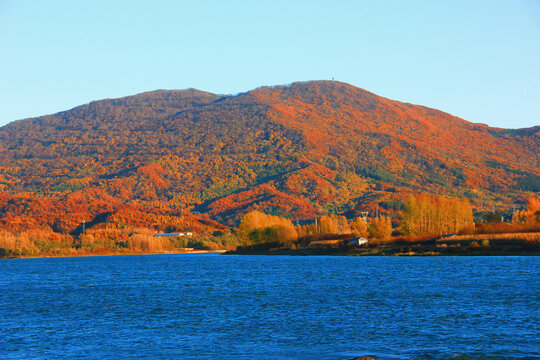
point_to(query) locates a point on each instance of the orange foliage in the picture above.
(301, 150)
(531, 215)
(425, 214)
(380, 228)
(257, 227)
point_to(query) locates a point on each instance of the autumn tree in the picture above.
(359, 227)
(306, 230)
(326, 225)
(427, 214)
(257, 227)
(531, 215)
(334, 224)
(380, 228)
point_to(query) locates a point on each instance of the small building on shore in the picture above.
(359, 241)
(176, 234)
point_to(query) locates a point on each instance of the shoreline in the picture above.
(518, 244)
(282, 252)
(293, 253)
(487, 245)
(96, 254)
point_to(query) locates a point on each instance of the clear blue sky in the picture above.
(479, 60)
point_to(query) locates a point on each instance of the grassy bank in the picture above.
(524, 244)
(40, 243)
(117, 253)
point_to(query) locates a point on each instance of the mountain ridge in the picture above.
(300, 149)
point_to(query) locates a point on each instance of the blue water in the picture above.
(270, 307)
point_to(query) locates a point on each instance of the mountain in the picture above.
(300, 150)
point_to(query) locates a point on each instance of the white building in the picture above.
(359, 241)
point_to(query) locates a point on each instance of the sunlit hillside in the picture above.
(175, 159)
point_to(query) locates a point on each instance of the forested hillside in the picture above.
(178, 160)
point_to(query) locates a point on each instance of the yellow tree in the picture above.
(258, 227)
(427, 214)
(359, 227)
(326, 225)
(252, 220)
(380, 228)
(532, 214)
(342, 225)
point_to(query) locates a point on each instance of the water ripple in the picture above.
(278, 307)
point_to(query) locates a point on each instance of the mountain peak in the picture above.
(313, 86)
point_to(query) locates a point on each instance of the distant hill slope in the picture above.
(300, 150)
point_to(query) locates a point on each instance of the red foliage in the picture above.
(298, 150)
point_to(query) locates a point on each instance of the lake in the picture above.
(270, 307)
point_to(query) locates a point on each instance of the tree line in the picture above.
(423, 215)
